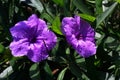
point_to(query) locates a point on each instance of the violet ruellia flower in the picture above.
(32, 38)
(80, 35)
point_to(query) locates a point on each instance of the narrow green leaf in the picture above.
(47, 17)
(11, 9)
(73, 66)
(68, 51)
(34, 72)
(56, 25)
(47, 69)
(6, 72)
(61, 74)
(75, 70)
(1, 48)
(98, 6)
(38, 5)
(102, 16)
(80, 60)
(91, 1)
(81, 6)
(59, 2)
(87, 17)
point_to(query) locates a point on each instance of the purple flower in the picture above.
(32, 38)
(80, 35)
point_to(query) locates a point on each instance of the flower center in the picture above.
(33, 40)
(79, 36)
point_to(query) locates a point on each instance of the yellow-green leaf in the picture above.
(56, 25)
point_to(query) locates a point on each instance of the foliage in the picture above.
(64, 63)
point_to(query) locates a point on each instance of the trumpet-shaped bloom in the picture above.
(80, 35)
(32, 38)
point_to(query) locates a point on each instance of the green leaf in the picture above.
(102, 16)
(75, 70)
(38, 5)
(98, 6)
(81, 6)
(2, 48)
(6, 72)
(118, 1)
(47, 17)
(87, 17)
(11, 9)
(74, 67)
(34, 72)
(84, 77)
(59, 2)
(48, 72)
(68, 51)
(80, 60)
(56, 25)
(61, 74)
(6, 55)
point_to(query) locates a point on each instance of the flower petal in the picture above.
(86, 48)
(41, 26)
(50, 38)
(72, 40)
(86, 31)
(20, 30)
(32, 21)
(19, 48)
(37, 52)
(36, 25)
(71, 25)
(66, 32)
